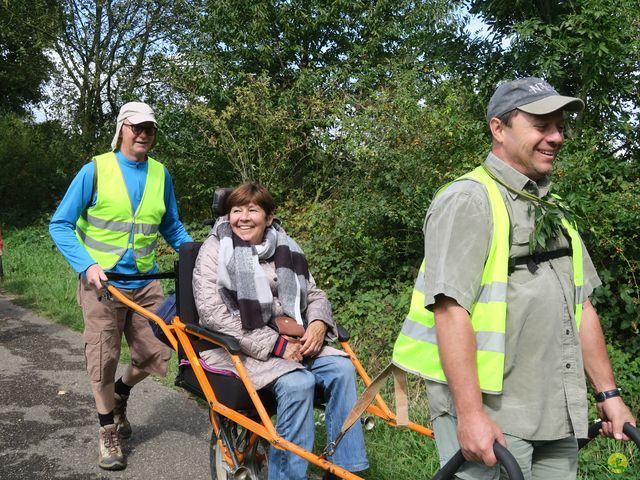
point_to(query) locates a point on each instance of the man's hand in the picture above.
(476, 435)
(292, 352)
(614, 414)
(313, 339)
(95, 276)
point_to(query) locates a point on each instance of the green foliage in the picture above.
(37, 161)
(548, 225)
(24, 65)
(364, 242)
(627, 365)
(344, 39)
(197, 167)
(414, 455)
(593, 458)
(266, 97)
(587, 48)
(503, 15)
(603, 191)
(266, 135)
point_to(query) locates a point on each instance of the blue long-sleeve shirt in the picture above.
(79, 197)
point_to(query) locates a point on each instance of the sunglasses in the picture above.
(138, 129)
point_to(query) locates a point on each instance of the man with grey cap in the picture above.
(501, 325)
(109, 221)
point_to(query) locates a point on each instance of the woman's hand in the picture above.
(313, 339)
(292, 352)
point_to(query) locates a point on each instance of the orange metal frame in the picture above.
(178, 334)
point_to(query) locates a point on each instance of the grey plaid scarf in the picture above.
(242, 283)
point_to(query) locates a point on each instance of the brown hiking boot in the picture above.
(120, 416)
(111, 457)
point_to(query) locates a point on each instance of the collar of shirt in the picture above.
(131, 163)
(515, 179)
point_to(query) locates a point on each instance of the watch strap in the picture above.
(602, 396)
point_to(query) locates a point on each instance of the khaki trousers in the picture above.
(105, 321)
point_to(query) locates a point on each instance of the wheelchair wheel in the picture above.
(253, 455)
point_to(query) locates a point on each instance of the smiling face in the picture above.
(249, 222)
(137, 140)
(530, 143)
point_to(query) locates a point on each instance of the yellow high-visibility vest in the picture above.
(109, 228)
(416, 348)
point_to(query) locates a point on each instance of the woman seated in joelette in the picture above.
(248, 273)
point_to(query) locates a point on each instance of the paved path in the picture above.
(48, 423)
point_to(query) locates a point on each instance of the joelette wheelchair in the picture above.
(240, 415)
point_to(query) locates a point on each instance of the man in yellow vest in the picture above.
(500, 324)
(109, 221)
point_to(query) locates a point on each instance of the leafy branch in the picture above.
(548, 214)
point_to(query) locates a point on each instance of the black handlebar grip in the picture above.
(508, 462)
(632, 432)
(451, 467)
(502, 454)
(594, 430)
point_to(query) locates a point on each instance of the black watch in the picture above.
(602, 396)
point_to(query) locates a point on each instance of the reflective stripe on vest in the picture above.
(110, 227)
(578, 272)
(416, 348)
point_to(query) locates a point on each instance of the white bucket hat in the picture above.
(136, 113)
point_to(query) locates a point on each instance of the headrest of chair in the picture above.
(187, 260)
(218, 207)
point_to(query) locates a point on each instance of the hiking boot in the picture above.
(111, 457)
(120, 416)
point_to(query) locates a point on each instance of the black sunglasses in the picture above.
(138, 129)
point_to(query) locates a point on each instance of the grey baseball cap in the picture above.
(532, 95)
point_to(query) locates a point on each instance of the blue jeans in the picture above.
(294, 394)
